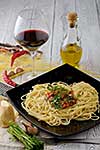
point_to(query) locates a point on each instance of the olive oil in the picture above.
(71, 51)
(71, 54)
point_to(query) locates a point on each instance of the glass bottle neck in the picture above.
(72, 35)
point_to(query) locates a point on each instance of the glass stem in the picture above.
(33, 55)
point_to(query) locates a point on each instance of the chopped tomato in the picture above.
(62, 96)
(49, 94)
(65, 105)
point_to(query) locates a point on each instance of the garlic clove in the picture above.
(30, 129)
(19, 70)
(11, 73)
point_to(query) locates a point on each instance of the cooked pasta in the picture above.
(59, 103)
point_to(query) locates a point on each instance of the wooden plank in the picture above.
(62, 7)
(47, 9)
(73, 146)
(97, 2)
(8, 14)
(68, 146)
(89, 24)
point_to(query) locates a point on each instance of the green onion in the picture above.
(30, 142)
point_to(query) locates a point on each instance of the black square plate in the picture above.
(65, 73)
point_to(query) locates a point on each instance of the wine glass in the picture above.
(31, 31)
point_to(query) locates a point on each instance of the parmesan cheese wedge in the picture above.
(6, 114)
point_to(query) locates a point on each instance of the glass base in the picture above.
(31, 75)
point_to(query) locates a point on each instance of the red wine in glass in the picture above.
(31, 32)
(32, 39)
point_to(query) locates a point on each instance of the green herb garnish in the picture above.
(50, 87)
(59, 96)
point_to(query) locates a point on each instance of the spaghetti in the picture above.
(59, 103)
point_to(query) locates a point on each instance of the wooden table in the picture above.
(89, 22)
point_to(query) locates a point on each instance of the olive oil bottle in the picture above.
(71, 50)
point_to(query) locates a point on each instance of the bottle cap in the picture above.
(72, 18)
